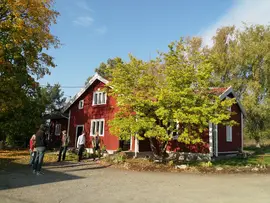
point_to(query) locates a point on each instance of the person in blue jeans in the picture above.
(40, 150)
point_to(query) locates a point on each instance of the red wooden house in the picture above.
(91, 109)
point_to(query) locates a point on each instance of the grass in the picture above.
(251, 161)
(21, 157)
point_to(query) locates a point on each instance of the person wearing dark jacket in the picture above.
(40, 150)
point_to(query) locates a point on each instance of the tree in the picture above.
(241, 59)
(52, 98)
(24, 38)
(105, 69)
(153, 97)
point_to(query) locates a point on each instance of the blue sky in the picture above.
(93, 31)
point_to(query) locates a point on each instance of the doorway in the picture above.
(79, 130)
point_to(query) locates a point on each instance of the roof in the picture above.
(222, 92)
(56, 115)
(93, 79)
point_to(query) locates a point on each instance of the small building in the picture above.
(91, 109)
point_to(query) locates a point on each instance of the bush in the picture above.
(119, 150)
(171, 163)
(206, 164)
(120, 157)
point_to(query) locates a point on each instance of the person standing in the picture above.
(32, 149)
(80, 146)
(96, 145)
(40, 150)
(64, 146)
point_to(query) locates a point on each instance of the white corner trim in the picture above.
(76, 97)
(216, 141)
(210, 129)
(242, 132)
(131, 141)
(68, 127)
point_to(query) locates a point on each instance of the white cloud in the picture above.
(84, 21)
(248, 11)
(102, 30)
(83, 5)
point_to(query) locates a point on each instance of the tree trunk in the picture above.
(163, 151)
(154, 149)
(160, 152)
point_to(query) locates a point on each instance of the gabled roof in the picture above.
(222, 92)
(226, 92)
(93, 79)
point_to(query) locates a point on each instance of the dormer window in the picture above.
(99, 98)
(81, 103)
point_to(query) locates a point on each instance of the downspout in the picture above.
(69, 112)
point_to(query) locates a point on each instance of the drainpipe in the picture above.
(69, 112)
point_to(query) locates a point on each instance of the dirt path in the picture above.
(88, 182)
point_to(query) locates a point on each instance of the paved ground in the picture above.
(70, 183)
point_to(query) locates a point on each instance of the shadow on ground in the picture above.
(19, 175)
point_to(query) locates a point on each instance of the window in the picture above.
(229, 133)
(57, 129)
(99, 98)
(97, 125)
(81, 103)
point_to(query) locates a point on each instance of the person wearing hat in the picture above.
(64, 146)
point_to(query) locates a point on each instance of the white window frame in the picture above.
(100, 99)
(57, 130)
(94, 124)
(229, 133)
(76, 137)
(81, 104)
(229, 129)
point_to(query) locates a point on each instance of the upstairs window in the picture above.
(99, 98)
(81, 103)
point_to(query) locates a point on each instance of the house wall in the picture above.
(55, 140)
(235, 145)
(202, 147)
(84, 116)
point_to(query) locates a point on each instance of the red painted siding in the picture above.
(202, 147)
(55, 139)
(235, 145)
(84, 116)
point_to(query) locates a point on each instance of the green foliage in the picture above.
(154, 96)
(241, 59)
(120, 157)
(105, 69)
(52, 97)
(206, 164)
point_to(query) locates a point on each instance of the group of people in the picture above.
(95, 145)
(38, 146)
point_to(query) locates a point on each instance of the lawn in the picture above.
(8, 158)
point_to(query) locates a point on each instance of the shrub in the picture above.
(119, 149)
(206, 164)
(120, 157)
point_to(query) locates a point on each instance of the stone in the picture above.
(182, 167)
(255, 169)
(219, 168)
